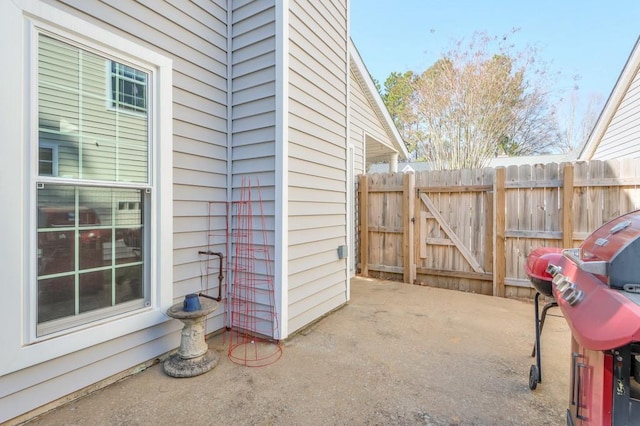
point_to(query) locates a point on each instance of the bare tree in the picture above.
(480, 100)
(577, 118)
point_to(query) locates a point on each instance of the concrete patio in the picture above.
(397, 354)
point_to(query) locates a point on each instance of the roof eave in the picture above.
(376, 100)
(621, 87)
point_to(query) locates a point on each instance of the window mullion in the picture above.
(76, 252)
(117, 147)
(113, 249)
(80, 117)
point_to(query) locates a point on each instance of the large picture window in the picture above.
(92, 258)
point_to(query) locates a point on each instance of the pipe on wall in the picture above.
(220, 275)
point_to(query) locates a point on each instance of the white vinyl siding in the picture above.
(193, 36)
(253, 96)
(317, 159)
(365, 122)
(253, 130)
(622, 137)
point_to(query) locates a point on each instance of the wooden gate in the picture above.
(454, 243)
(435, 228)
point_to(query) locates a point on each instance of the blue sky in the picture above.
(592, 39)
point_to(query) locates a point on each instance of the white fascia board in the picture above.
(613, 103)
(373, 95)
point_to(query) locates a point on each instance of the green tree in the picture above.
(397, 97)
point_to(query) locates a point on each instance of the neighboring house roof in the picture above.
(529, 159)
(419, 166)
(626, 80)
(376, 102)
(403, 166)
(407, 169)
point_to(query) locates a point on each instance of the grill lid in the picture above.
(536, 268)
(612, 252)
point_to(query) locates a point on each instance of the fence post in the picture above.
(499, 261)
(363, 221)
(567, 206)
(408, 207)
(488, 232)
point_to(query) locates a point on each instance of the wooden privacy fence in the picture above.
(472, 230)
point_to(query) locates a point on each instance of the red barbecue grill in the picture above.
(597, 287)
(536, 268)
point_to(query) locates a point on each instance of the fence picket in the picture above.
(483, 237)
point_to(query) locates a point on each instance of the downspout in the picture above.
(229, 180)
(229, 210)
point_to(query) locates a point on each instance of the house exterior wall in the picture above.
(259, 93)
(317, 153)
(194, 38)
(253, 157)
(622, 135)
(364, 120)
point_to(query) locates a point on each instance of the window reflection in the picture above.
(90, 251)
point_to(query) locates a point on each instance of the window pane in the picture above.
(97, 206)
(90, 252)
(128, 247)
(75, 112)
(128, 88)
(55, 298)
(55, 250)
(129, 284)
(45, 164)
(45, 168)
(91, 246)
(95, 290)
(46, 154)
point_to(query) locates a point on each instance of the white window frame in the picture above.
(21, 348)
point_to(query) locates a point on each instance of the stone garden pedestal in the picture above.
(193, 357)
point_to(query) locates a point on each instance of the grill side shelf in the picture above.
(598, 267)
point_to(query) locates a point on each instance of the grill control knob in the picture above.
(566, 285)
(561, 282)
(574, 296)
(568, 289)
(557, 279)
(553, 270)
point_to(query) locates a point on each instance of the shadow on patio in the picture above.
(396, 354)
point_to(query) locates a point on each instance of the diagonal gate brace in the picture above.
(452, 235)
